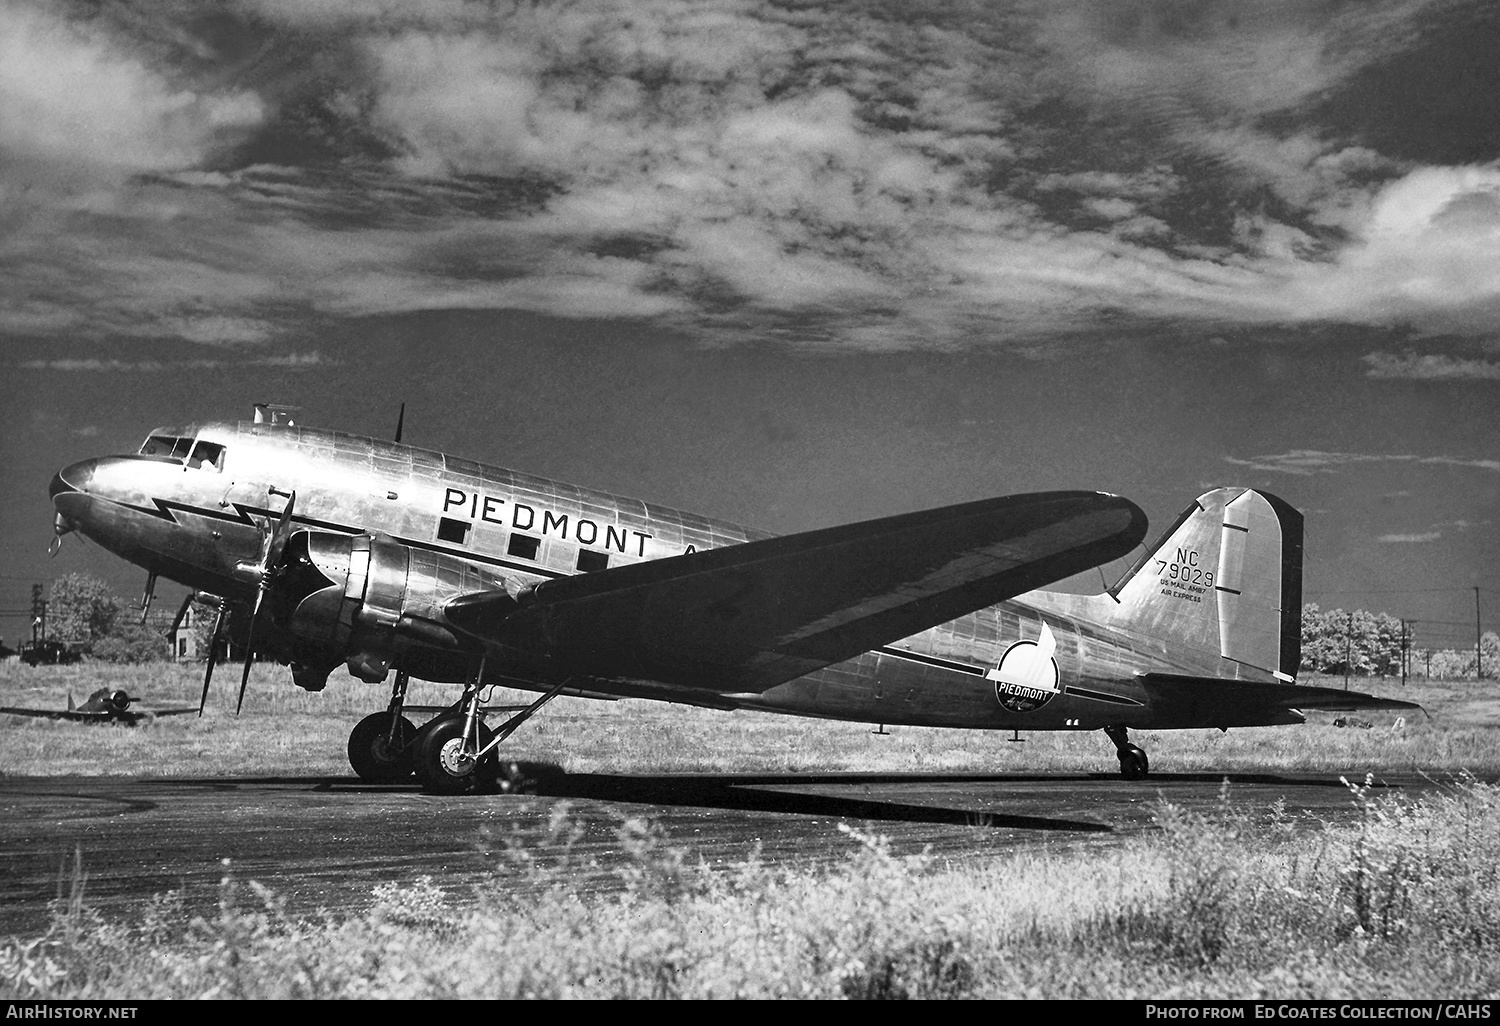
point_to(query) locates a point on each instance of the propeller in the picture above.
(400, 420)
(263, 573)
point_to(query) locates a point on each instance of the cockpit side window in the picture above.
(207, 455)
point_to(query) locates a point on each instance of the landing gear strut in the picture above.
(456, 753)
(380, 746)
(1133, 762)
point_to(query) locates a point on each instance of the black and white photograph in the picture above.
(751, 499)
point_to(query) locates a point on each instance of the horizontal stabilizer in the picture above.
(1232, 703)
(748, 617)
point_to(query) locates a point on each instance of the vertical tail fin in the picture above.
(1224, 581)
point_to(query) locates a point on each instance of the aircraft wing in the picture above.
(87, 716)
(748, 617)
(1218, 701)
(46, 714)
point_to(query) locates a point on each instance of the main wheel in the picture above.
(1133, 763)
(445, 765)
(374, 758)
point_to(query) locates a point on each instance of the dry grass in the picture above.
(1404, 905)
(286, 732)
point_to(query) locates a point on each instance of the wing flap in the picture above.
(748, 617)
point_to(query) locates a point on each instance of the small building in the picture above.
(189, 640)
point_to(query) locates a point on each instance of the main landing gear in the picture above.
(380, 746)
(1133, 762)
(454, 753)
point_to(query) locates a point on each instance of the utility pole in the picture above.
(1348, 643)
(1404, 651)
(1478, 649)
(38, 615)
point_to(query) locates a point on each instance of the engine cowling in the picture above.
(371, 602)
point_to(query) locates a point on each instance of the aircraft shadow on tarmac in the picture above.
(755, 794)
(729, 792)
(793, 794)
(769, 793)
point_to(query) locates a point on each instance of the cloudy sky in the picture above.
(789, 263)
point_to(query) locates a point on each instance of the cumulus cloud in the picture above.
(1305, 462)
(1414, 539)
(1426, 253)
(113, 366)
(1429, 367)
(72, 92)
(1022, 175)
(289, 361)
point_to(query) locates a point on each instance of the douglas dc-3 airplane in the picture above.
(336, 548)
(103, 706)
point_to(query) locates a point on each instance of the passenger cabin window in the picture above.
(450, 530)
(203, 455)
(590, 561)
(522, 546)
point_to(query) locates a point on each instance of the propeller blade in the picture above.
(249, 649)
(278, 538)
(245, 679)
(213, 655)
(400, 420)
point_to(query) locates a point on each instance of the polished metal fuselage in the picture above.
(196, 524)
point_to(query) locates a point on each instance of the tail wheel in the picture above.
(374, 758)
(1133, 763)
(446, 765)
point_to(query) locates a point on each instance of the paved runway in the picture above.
(325, 843)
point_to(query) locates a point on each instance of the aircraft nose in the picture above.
(69, 494)
(75, 477)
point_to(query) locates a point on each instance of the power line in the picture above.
(1396, 591)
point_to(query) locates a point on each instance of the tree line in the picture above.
(1365, 644)
(84, 614)
(87, 616)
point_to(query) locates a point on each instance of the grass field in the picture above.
(284, 731)
(1405, 904)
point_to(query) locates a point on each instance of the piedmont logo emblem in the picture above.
(1026, 677)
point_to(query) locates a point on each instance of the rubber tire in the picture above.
(1133, 764)
(434, 771)
(370, 754)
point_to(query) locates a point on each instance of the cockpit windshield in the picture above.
(202, 454)
(161, 445)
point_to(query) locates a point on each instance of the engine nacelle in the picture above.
(372, 601)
